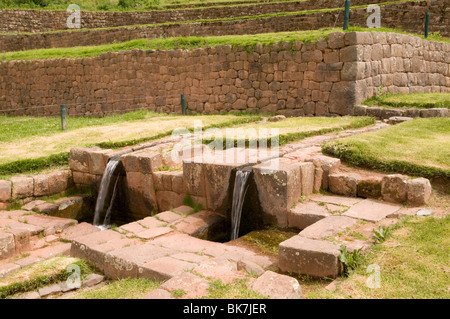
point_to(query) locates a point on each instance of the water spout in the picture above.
(103, 192)
(240, 189)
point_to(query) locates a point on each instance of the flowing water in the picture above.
(240, 189)
(103, 193)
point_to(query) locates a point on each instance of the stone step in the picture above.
(306, 214)
(317, 258)
(328, 226)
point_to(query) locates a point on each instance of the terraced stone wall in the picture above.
(295, 79)
(408, 16)
(46, 20)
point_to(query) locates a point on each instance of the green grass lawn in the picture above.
(290, 129)
(420, 147)
(111, 5)
(30, 144)
(413, 264)
(416, 100)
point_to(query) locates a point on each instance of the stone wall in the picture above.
(295, 79)
(45, 20)
(26, 188)
(405, 16)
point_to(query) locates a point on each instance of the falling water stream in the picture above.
(240, 189)
(103, 192)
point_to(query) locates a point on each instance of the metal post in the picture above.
(63, 117)
(346, 14)
(183, 105)
(427, 20)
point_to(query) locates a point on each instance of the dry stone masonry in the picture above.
(329, 76)
(398, 15)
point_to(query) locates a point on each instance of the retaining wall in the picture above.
(295, 79)
(46, 20)
(405, 16)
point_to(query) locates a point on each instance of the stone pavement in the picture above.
(329, 221)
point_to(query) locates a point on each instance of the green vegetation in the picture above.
(381, 234)
(236, 290)
(247, 41)
(413, 262)
(417, 100)
(290, 130)
(41, 274)
(40, 144)
(350, 260)
(129, 288)
(420, 147)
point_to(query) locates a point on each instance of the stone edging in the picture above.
(384, 113)
(29, 187)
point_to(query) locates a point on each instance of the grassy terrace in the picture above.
(288, 130)
(30, 144)
(278, 14)
(420, 147)
(413, 263)
(416, 100)
(120, 5)
(246, 41)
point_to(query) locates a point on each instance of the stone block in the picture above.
(5, 191)
(312, 257)
(371, 210)
(141, 195)
(328, 226)
(277, 286)
(22, 187)
(59, 181)
(342, 98)
(394, 188)
(434, 112)
(79, 160)
(193, 285)
(7, 245)
(419, 191)
(97, 161)
(278, 189)
(318, 177)
(344, 183)
(369, 187)
(41, 185)
(306, 214)
(193, 175)
(164, 268)
(167, 200)
(307, 177)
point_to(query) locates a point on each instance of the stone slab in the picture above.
(277, 286)
(168, 217)
(328, 226)
(154, 232)
(371, 210)
(307, 256)
(306, 214)
(7, 269)
(165, 268)
(193, 285)
(81, 229)
(337, 200)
